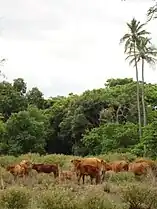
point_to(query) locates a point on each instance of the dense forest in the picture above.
(121, 116)
(98, 121)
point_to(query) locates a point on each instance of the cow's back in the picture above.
(139, 168)
(92, 161)
(118, 166)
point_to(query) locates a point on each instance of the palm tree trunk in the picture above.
(138, 100)
(143, 102)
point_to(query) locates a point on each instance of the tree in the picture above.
(145, 52)
(110, 137)
(35, 97)
(149, 140)
(152, 12)
(136, 32)
(26, 132)
(119, 81)
(20, 86)
(3, 144)
(11, 101)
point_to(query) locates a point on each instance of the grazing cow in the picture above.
(151, 163)
(140, 168)
(96, 162)
(17, 170)
(46, 168)
(27, 165)
(118, 166)
(85, 170)
(25, 162)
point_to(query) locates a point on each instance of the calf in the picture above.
(17, 170)
(85, 170)
(46, 168)
(118, 166)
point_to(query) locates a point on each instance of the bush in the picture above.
(58, 198)
(120, 177)
(140, 196)
(99, 201)
(15, 198)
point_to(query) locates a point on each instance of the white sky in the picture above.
(64, 46)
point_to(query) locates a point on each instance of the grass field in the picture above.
(118, 191)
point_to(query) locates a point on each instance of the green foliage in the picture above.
(98, 121)
(20, 86)
(120, 81)
(11, 101)
(15, 198)
(25, 132)
(140, 196)
(3, 145)
(55, 199)
(35, 97)
(110, 137)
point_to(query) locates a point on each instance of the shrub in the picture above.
(58, 198)
(140, 196)
(99, 201)
(120, 177)
(15, 198)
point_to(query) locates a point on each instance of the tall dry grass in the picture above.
(42, 191)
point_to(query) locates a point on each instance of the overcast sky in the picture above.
(64, 46)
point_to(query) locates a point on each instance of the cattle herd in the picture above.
(95, 168)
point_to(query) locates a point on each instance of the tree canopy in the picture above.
(97, 121)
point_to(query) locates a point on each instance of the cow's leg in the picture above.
(102, 176)
(98, 179)
(15, 177)
(83, 177)
(78, 178)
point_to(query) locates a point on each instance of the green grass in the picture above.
(42, 191)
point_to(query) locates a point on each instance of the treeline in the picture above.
(98, 121)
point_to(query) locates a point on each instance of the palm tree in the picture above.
(152, 12)
(145, 52)
(131, 39)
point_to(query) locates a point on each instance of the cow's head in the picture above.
(75, 162)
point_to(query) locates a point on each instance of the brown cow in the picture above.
(46, 168)
(89, 161)
(27, 165)
(96, 162)
(140, 168)
(151, 163)
(83, 170)
(118, 166)
(17, 170)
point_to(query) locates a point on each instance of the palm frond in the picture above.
(132, 61)
(123, 39)
(140, 26)
(128, 45)
(143, 33)
(152, 13)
